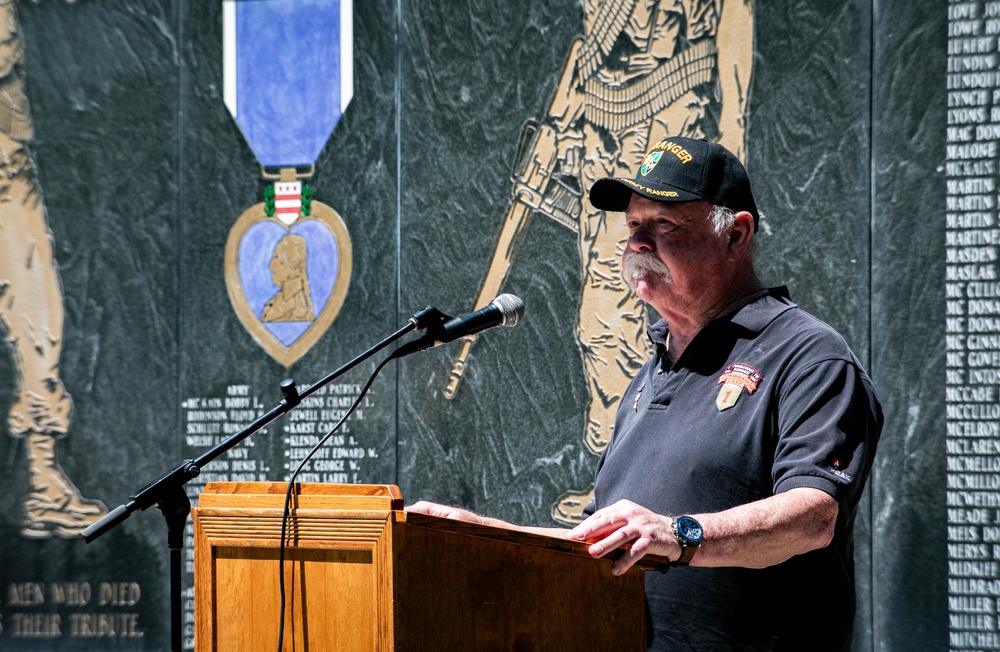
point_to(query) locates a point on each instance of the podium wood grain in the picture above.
(361, 574)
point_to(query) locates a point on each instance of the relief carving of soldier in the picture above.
(31, 310)
(644, 70)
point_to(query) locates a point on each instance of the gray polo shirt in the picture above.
(763, 400)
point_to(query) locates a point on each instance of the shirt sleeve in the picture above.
(828, 424)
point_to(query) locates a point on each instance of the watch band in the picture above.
(687, 552)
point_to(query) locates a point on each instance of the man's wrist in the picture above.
(688, 533)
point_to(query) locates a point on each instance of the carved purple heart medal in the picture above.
(287, 79)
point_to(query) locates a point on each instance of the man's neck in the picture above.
(740, 292)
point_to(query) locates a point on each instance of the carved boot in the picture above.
(568, 510)
(597, 436)
(53, 506)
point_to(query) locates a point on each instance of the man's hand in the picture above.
(627, 523)
(443, 511)
(756, 535)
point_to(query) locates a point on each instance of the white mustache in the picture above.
(639, 265)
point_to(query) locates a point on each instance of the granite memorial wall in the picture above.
(147, 289)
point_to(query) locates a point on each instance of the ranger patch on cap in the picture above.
(649, 162)
(734, 380)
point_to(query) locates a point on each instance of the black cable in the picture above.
(288, 496)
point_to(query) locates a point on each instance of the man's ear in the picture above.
(740, 235)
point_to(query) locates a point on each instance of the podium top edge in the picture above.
(387, 491)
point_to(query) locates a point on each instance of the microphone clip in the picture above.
(430, 319)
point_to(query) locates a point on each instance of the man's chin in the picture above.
(645, 287)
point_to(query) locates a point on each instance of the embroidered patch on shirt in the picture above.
(734, 380)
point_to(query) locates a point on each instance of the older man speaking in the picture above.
(742, 447)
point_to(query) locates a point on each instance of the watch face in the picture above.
(688, 529)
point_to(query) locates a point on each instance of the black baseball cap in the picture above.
(682, 169)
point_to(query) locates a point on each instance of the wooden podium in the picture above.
(361, 574)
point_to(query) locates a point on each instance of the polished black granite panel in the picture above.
(144, 173)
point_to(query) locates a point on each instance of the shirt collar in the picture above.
(753, 316)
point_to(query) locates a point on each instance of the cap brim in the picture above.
(614, 193)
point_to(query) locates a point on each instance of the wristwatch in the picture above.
(688, 533)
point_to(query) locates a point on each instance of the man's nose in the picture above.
(640, 241)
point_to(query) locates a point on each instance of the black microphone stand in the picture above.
(167, 491)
